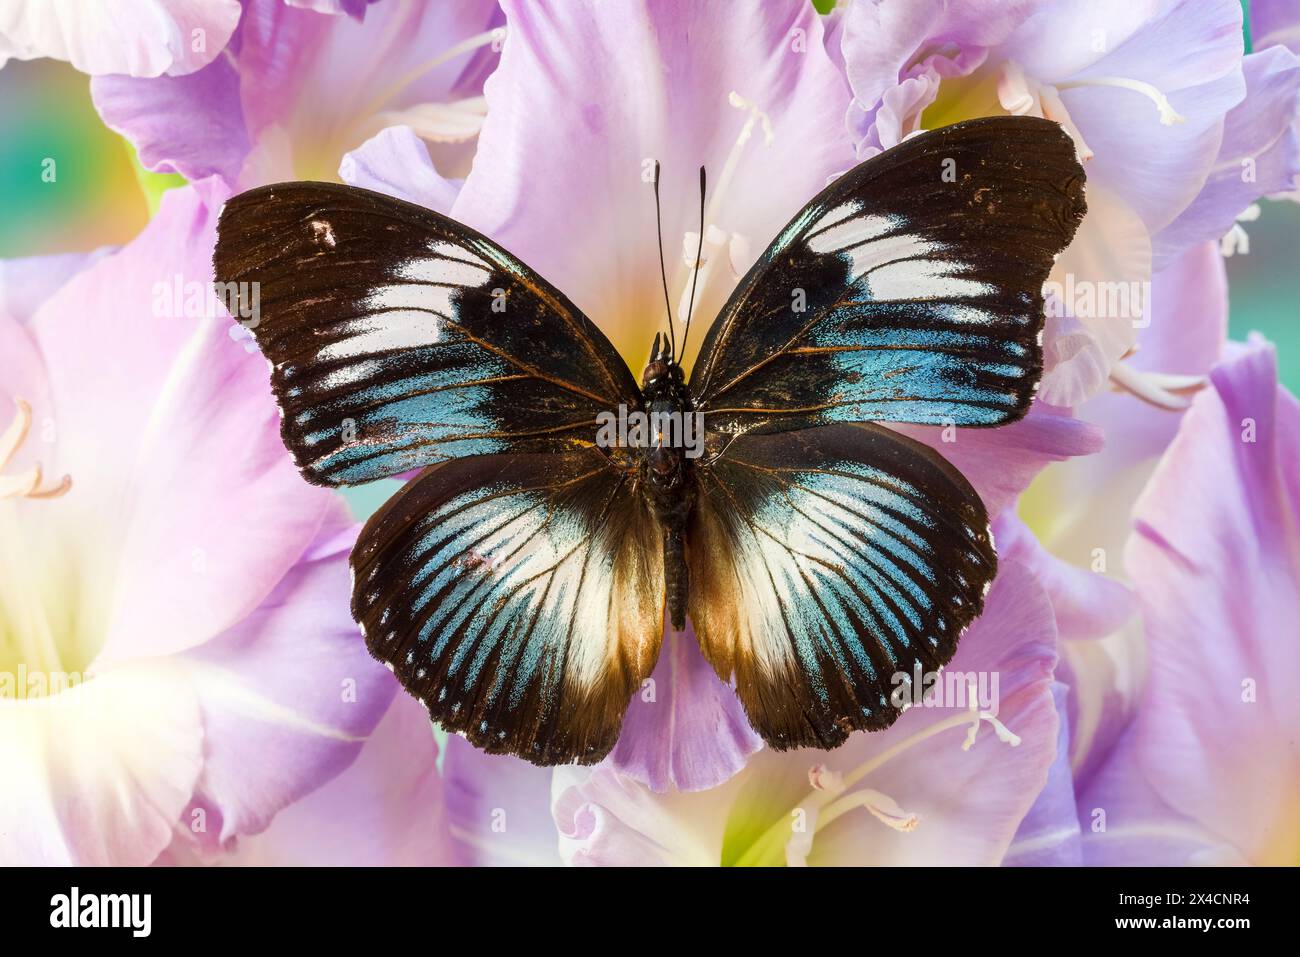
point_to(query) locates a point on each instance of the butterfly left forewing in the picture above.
(519, 596)
(909, 290)
(398, 337)
(826, 561)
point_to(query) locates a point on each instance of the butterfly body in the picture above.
(518, 586)
(667, 470)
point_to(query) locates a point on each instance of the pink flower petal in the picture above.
(134, 37)
(498, 808)
(198, 535)
(385, 810)
(1000, 463)
(1125, 823)
(1259, 155)
(1216, 562)
(284, 714)
(192, 125)
(396, 162)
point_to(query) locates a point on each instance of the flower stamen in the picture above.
(1020, 96)
(716, 239)
(831, 797)
(495, 35)
(1163, 390)
(1168, 115)
(25, 484)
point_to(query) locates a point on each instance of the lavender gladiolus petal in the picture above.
(282, 714)
(396, 162)
(192, 125)
(1001, 463)
(1260, 154)
(235, 533)
(25, 284)
(686, 729)
(386, 809)
(1275, 22)
(498, 808)
(1216, 562)
(141, 38)
(1050, 836)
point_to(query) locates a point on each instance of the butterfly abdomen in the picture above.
(676, 576)
(667, 471)
(671, 488)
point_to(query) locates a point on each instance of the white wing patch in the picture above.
(893, 265)
(411, 314)
(385, 332)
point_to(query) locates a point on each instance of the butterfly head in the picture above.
(662, 369)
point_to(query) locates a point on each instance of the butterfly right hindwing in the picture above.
(825, 561)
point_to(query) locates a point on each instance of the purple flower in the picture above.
(132, 37)
(1275, 23)
(1210, 767)
(1178, 132)
(297, 89)
(176, 653)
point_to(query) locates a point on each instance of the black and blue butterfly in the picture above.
(519, 585)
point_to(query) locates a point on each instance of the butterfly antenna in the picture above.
(695, 274)
(663, 272)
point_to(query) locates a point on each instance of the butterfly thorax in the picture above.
(666, 470)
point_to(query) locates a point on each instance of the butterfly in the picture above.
(519, 585)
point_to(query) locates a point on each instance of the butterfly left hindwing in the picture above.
(520, 597)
